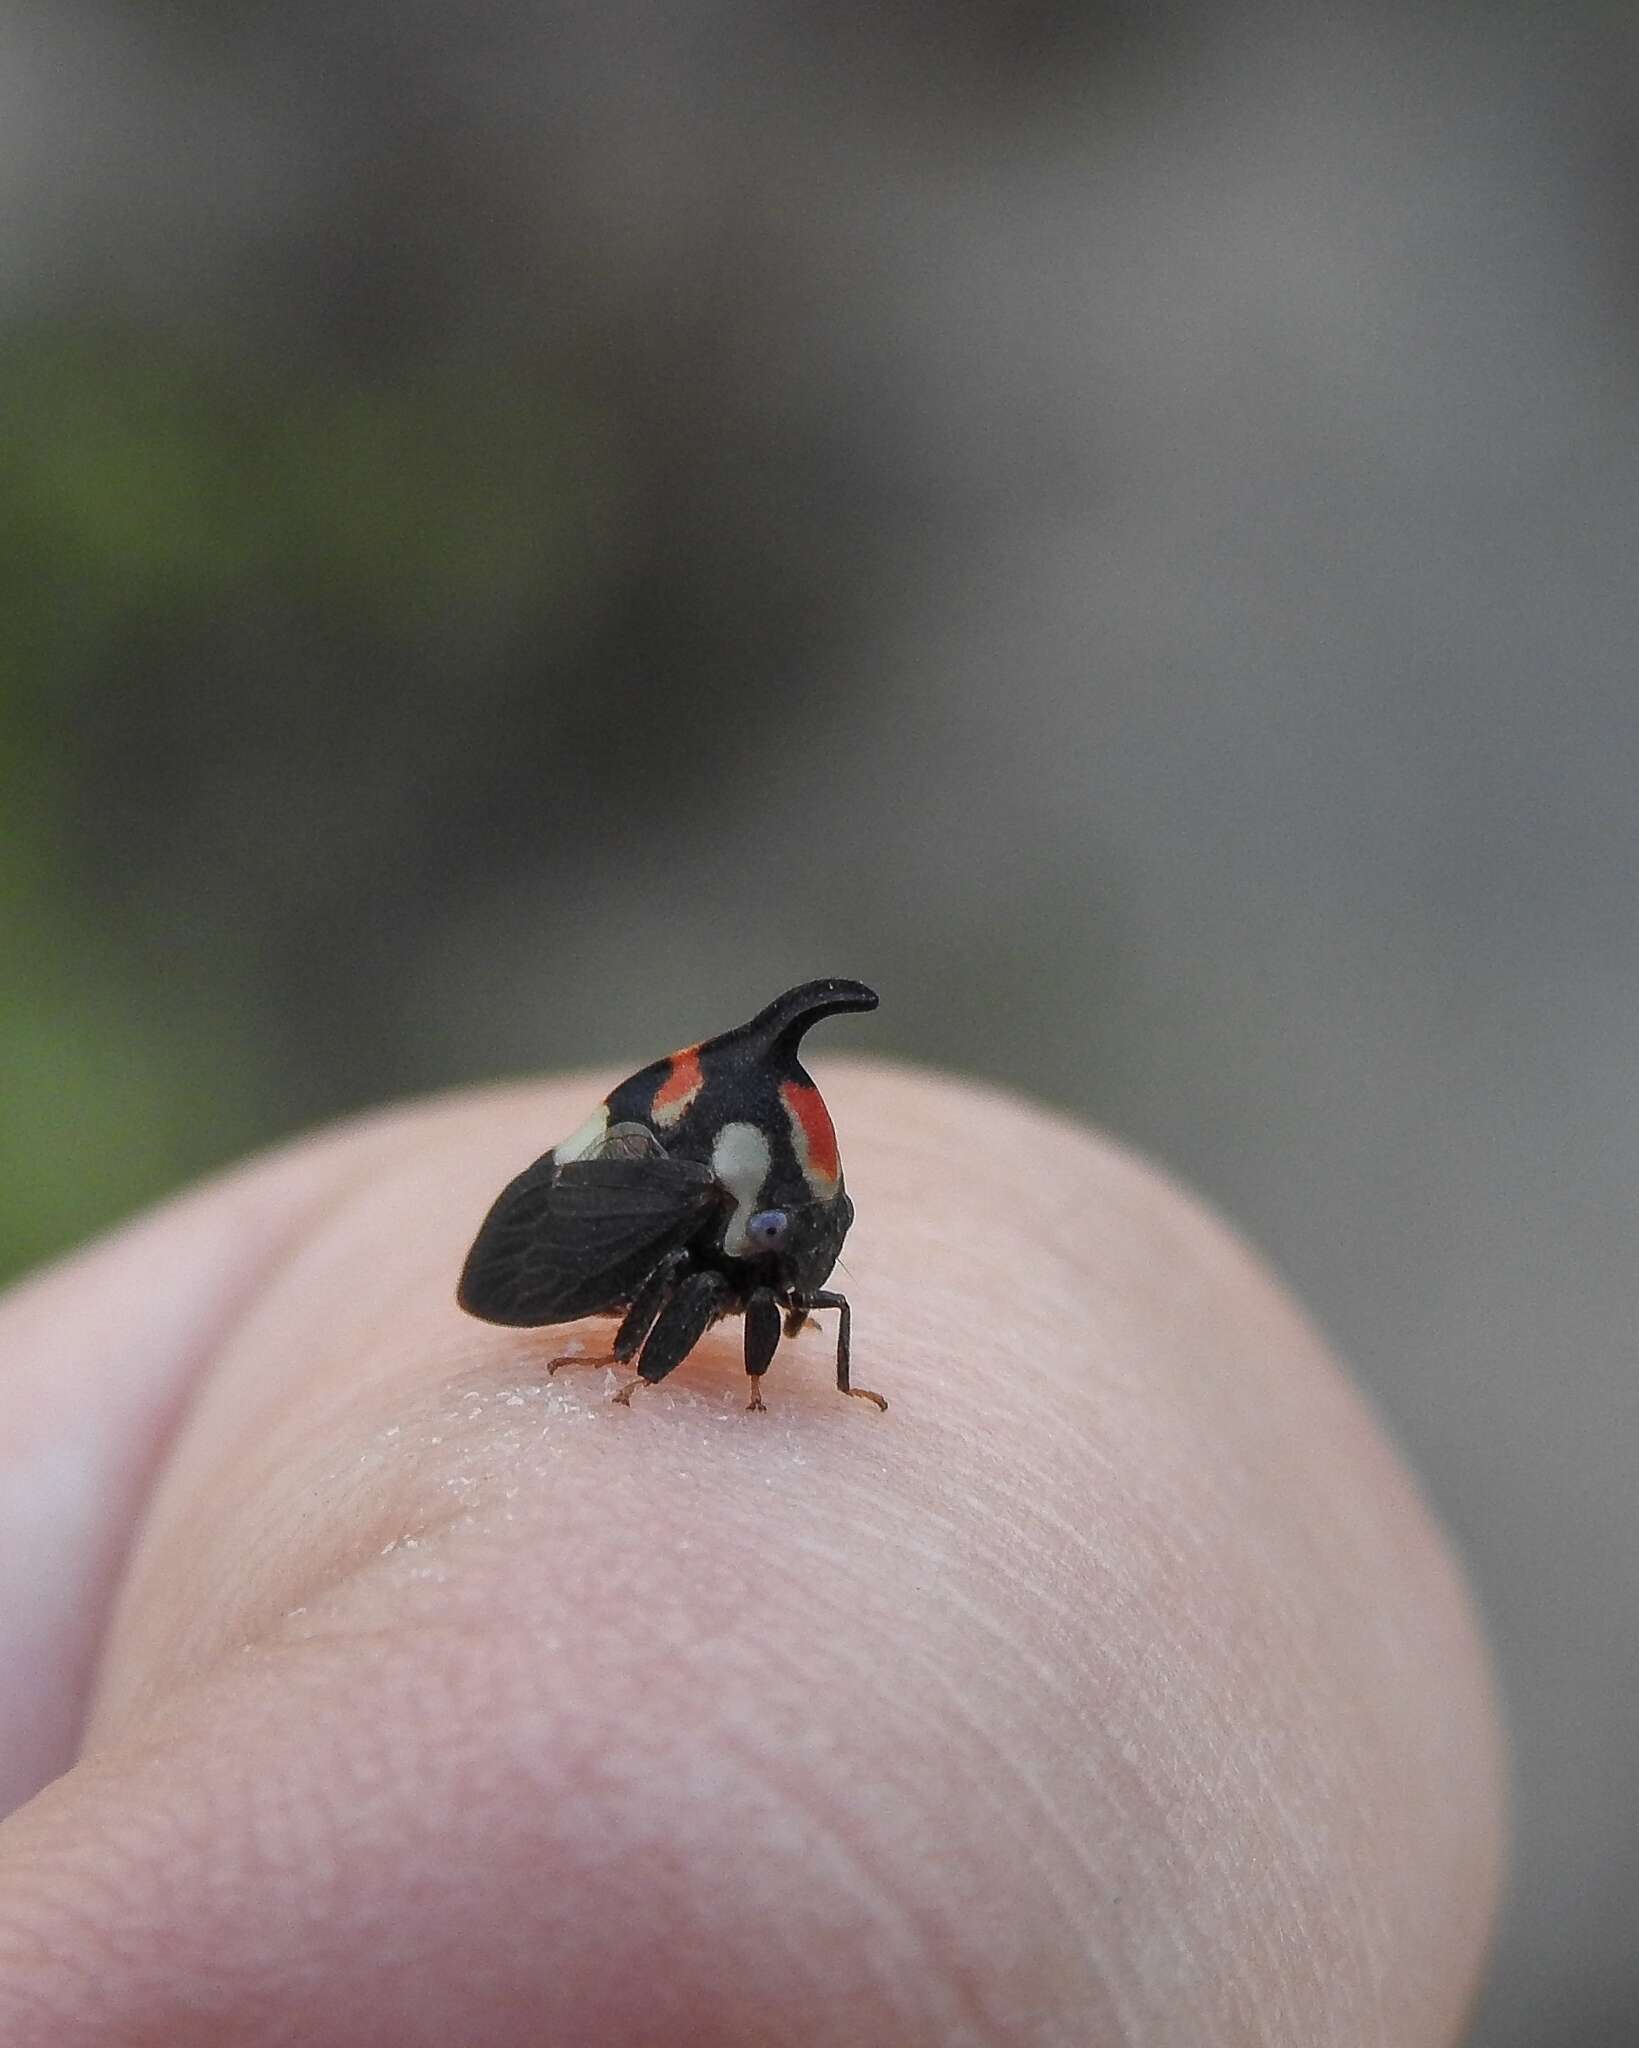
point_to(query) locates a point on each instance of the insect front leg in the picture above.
(845, 1320)
(762, 1341)
(699, 1300)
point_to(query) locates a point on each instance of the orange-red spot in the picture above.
(680, 1087)
(816, 1140)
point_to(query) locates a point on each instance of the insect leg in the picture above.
(641, 1311)
(844, 1333)
(762, 1340)
(647, 1303)
(685, 1319)
(579, 1358)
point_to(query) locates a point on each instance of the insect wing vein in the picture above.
(575, 1240)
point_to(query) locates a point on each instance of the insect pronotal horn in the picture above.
(780, 1027)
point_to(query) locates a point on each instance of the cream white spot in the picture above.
(740, 1158)
(587, 1141)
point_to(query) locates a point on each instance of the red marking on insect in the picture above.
(811, 1128)
(682, 1084)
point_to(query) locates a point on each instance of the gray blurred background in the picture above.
(525, 527)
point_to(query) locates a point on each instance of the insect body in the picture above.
(706, 1185)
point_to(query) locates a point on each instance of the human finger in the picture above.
(1113, 1686)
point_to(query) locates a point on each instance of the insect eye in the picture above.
(767, 1229)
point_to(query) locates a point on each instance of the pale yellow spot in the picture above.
(587, 1141)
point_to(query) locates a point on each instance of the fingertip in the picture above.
(1115, 1684)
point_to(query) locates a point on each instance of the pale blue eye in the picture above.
(767, 1229)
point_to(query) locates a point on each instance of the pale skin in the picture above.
(1114, 1687)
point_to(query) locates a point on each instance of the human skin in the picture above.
(1113, 1688)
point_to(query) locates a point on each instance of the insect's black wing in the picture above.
(575, 1240)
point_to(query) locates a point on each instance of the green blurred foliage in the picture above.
(147, 496)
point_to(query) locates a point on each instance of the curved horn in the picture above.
(779, 1028)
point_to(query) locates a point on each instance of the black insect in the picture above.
(707, 1185)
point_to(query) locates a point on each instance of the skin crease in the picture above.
(1113, 1688)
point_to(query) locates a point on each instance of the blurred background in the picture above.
(525, 528)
